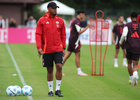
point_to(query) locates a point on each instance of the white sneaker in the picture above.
(125, 65)
(82, 74)
(115, 65)
(135, 80)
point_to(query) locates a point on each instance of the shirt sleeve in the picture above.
(39, 30)
(124, 34)
(63, 35)
(78, 28)
(114, 30)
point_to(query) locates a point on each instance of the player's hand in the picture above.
(40, 51)
(63, 52)
(113, 42)
(90, 23)
(120, 44)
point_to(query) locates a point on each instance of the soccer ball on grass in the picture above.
(27, 90)
(18, 88)
(11, 91)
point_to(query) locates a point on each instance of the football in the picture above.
(27, 90)
(18, 88)
(11, 91)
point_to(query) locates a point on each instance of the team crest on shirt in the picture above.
(57, 24)
(47, 22)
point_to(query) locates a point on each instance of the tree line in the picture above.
(101, 4)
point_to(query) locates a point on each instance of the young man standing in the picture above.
(74, 40)
(117, 30)
(50, 41)
(132, 34)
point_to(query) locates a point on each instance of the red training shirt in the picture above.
(50, 34)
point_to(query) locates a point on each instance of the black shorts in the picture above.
(48, 58)
(118, 46)
(73, 48)
(132, 56)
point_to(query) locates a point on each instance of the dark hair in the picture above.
(134, 14)
(119, 16)
(80, 11)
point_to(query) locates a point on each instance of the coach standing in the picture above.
(50, 41)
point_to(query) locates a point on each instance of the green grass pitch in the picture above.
(112, 86)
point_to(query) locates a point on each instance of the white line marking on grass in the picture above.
(17, 68)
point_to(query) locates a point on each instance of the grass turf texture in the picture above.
(112, 86)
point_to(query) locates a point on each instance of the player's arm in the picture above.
(78, 28)
(124, 34)
(80, 43)
(63, 37)
(38, 37)
(113, 31)
(113, 38)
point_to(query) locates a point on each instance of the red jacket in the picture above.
(50, 34)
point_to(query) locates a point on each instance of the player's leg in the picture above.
(116, 57)
(76, 50)
(130, 71)
(58, 58)
(135, 73)
(58, 79)
(124, 55)
(117, 47)
(48, 62)
(67, 55)
(135, 58)
(135, 66)
(77, 60)
(50, 80)
(124, 58)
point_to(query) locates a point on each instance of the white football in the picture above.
(11, 91)
(27, 90)
(18, 88)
